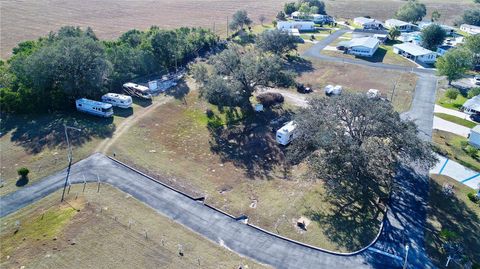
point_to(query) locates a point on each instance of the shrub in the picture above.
(473, 92)
(270, 99)
(473, 197)
(209, 113)
(448, 235)
(472, 151)
(23, 171)
(452, 93)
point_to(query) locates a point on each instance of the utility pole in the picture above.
(69, 155)
(227, 27)
(406, 256)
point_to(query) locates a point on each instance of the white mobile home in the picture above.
(401, 25)
(119, 100)
(286, 133)
(299, 25)
(94, 107)
(415, 53)
(471, 29)
(368, 23)
(472, 105)
(474, 137)
(364, 46)
(137, 90)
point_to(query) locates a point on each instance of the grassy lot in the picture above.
(452, 214)
(361, 79)
(384, 54)
(240, 169)
(456, 120)
(451, 145)
(38, 142)
(104, 230)
(449, 103)
(258, 28)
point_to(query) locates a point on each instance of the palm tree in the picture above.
(393, 33)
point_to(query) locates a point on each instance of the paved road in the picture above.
(213, 225)
(457, 171)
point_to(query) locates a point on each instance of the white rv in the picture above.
(94, 107)
(137, 90)
(333, 90)
(115, 99)
(286, 133)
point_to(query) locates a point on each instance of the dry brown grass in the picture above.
(25, 20)
(108, 231)
(360, 79)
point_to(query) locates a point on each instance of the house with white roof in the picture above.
(299, 25)
(449, 30)
(415, 52)
(471, 29)
(381, 35)
(472, 105)
(364, 46)
(401, 25)
(368, 23)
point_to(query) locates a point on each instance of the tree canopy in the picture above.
(471, 16)
(472, 43)
(355, 143)
(393, 33)
(413, 11)
(51, 71)
(240, 19)
(433, 36)
(454, 63)
(236, 74)
(276, 41)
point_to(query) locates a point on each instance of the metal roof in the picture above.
(473, 103)
(396, 22)
(368, 42)
(413, 49)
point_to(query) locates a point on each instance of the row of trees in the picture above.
(47, 73)
(305, 7)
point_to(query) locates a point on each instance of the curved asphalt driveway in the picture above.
(210, 223)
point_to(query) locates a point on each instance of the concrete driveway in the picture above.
(448, 126)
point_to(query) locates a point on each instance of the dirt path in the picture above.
(126, 124)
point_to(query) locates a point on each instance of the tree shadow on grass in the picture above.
(351, 222)
(35, 133)
(299, 65)
(179, 92)
(141, 101)
(451, 213)
(22, 181)
(251, 144)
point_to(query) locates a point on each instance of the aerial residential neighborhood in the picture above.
(240, 134)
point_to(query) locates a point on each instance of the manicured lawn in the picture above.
(456, 120)
(455, 214)
(451, 145)
(104, 230)
(257, 29)
(449, 103)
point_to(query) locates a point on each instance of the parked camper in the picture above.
(115, 99)
(333, 90)
(137, 90)
(286, 133)
(94, 107)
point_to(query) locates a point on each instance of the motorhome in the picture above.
(137, 90)
(286, 134)
(94, 107)
(119, 100)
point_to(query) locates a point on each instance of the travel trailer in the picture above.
(286, 134)
(333, 90)
(119, 100)
(137, 90)
(94, 107)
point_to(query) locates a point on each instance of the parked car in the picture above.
(476, 80)
(475, 117)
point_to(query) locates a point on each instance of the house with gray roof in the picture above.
(415, 52)
(364, 46)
